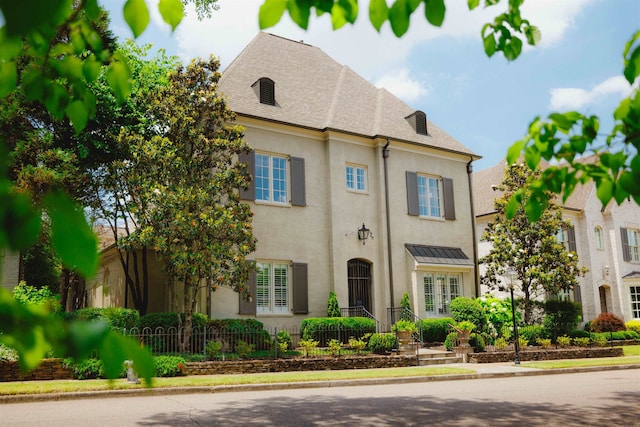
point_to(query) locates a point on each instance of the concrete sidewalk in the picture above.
(482, 370)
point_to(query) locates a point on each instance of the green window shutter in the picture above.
(626, 252)
(300, 289)
(298, 189)
(412, 194)
(571, 236)
(449, 205)
(249, 307)
(250, 160)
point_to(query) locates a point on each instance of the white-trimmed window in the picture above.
(599, 238)
(561, 237)
(634, 296)
(356, 178)
(272, 287)
(429, 196)
(439, 290)
(271, 178)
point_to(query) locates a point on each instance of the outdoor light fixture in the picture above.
(363, 233)
(512, 274)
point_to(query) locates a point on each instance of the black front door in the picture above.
(359, 279)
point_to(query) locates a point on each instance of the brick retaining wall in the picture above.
(555, 354)
(49, 369)
(298, 364)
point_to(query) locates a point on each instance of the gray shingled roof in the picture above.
(314, 91)
(484, 195)
(632, 275)
(424, 254)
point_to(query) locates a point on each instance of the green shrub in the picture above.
(501, 343)
(358, 344)
(334, 347)
(582, 341)
(244, 349)
(468, 309)
(621, 335)
(532, 332)
(561, 317)
(477, 342)
(168, 320)
(600, 339)
(579, 333)
(633, 325)
(607, 322)
(88, 369)
(249, 330)
(27, 294)
(382, 343)
(284, 340)
(451, 341)
(435, 330)
(214, 350)
(324, 329)
(333, 309)
(404, 325)
(7, 354)
(497, 312)
(564, 341)
(308, 345)
(116, 317)
(523, 342)
(405, 303)
(169, 366)
(544, 342)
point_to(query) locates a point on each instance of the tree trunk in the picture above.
(64, 288)
(188, 314)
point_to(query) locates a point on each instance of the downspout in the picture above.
(476, 267)
(385, 156)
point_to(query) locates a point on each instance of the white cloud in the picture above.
(552, 17)
(577, 98)
(402, 85)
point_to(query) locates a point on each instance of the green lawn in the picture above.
(57, 386)
(631, 353)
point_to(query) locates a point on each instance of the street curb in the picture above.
(54, 397)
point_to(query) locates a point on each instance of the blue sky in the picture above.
(485, 103)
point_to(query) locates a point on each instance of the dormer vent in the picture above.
(266, 90)
(418, 122)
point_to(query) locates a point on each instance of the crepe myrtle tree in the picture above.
(542, 264)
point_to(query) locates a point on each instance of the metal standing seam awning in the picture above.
(442, 255)
(632, 275)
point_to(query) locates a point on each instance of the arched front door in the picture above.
(359, 280)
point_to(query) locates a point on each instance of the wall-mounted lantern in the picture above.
(364, 233)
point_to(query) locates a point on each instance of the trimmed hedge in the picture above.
(324, 329)
(435, 330)
(463, 308)
(382, 343)
(168, 320)
(116, 317)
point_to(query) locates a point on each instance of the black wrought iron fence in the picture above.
(215, 343)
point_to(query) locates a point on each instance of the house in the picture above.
(353, 191)
(606, 240)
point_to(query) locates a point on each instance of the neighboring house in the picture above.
(335, 160)
(9, 269)
(605, 239)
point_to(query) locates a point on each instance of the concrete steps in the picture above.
(437, 357)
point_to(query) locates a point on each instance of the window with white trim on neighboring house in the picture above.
(356, 178)
(630, 244)
(430, 196)
(277, 179)
(634, 297)
(439, 290)
(567, 236)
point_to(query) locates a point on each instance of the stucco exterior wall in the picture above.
(9, 269)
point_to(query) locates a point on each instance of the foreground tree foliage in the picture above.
(542, 264)
(183, 188)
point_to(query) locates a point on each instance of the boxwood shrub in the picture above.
(382, 343)
(435, 330)
(168, 320)
(324, 329)
(116, 317)
(232, 331)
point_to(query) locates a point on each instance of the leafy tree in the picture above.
(184, 192)
(541, 263)
(333, 309)
(561, 138)
(41, 266)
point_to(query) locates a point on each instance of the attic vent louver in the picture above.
(266, 90)
(418, 122)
